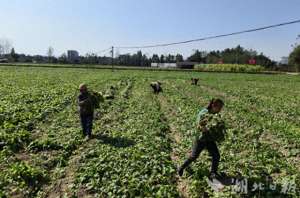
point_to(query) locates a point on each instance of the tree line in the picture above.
(237, 55)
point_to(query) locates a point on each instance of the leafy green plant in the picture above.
(45, 144)
(230, 68)
(26, 175)
(140, 138)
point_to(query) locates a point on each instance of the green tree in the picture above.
(294, 58)
(213, 57)
(13, 56)
(139, 57)
(63, 59)
(124, 59)
(145, 61)
(91, 58)
(179, 58)
(170, 58)
(162, 58)
(155, 58)
(198, 56)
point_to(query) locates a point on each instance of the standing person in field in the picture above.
(210, 129)
(86, 110)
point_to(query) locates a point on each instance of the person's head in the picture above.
(215, 105)
(82, 88)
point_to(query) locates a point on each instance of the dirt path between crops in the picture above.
(63, 186)
(169, 111)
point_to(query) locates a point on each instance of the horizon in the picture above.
(89, 27)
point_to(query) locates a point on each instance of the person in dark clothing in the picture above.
(156, 86)
(194, 81)
(212, 130)
(86, 110)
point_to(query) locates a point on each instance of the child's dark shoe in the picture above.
(180, 172)
(214, 176)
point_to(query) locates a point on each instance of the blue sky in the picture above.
(93, 25)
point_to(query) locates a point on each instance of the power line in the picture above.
(210, 37)
(101, 51)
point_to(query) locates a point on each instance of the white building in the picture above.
(73, 56)
(164, 65)
(284, 60)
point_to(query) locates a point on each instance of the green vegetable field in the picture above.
(140, 138)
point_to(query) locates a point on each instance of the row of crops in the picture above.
(230, 68)
(140, 138)
(253, 150)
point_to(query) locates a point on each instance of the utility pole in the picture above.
(112, 58)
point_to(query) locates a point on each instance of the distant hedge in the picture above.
(229, 67)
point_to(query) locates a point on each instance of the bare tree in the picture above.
(1, 50)
(5, 46)
(50, 52)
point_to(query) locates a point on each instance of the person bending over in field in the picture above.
(86, 110)
(210, 129)
(156, 86)
(194, 81)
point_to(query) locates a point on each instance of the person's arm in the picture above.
(83, 102)
(200, 128)
(202, 125)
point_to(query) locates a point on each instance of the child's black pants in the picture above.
(198, 147)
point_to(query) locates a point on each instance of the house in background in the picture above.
(164, 65)
(181, 65)
(3, 60)
(284, 60)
